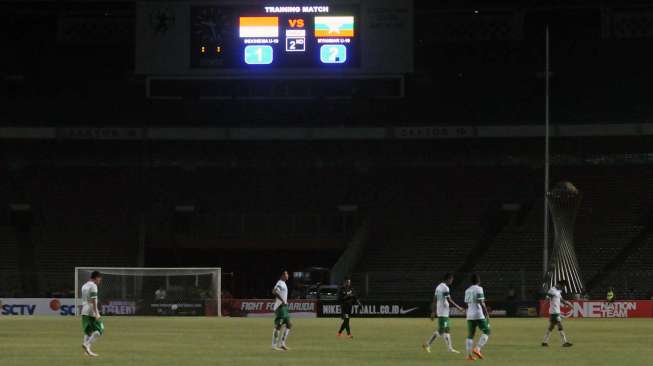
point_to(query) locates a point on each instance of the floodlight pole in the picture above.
(547, 160)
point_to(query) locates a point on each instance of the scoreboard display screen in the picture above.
(250, 38)
(260, 37)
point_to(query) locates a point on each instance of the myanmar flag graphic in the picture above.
(334, 27)
(259, 27)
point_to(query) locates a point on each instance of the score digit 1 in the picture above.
(259, 55)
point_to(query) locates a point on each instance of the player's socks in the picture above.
(482, 341)
(93, 337)
(275, 336)
(347, 327)
(447, 340)
(565, 341)
(563, 337)
(469, 344)
(547, 335)
(286, 332)
(87, 343)
(283, 346)
(432, 339)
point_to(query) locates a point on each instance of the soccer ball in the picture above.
(174, 307)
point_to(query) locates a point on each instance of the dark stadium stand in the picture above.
(435, 208)
(515, 256)
(411, 250)
(611, 215)
(607, 220)
(102, 216)
(435, 230)
(9, 263)
(634, 276)
(426, 220)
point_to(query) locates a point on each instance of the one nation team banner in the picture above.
(603, 309)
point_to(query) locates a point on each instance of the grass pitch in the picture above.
(34, 341)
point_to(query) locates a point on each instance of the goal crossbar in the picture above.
(214, 287)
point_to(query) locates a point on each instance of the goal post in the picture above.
(154, 291)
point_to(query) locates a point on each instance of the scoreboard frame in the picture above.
(257, 36)
(383, 30)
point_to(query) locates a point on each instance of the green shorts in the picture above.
(443, 324)
(555, 318)
(90, 325)
(281, 316)
(482, 324)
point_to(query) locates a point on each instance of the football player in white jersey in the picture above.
(281, 314)
(441, 301)
(555, 319)
(92, 324)
(477, 316)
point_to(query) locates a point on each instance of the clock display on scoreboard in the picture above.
(275, 36)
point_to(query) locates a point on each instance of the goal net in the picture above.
(154, 291)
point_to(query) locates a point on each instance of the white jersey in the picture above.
(282, 291)
(89, 292)
(473, 298)
(441, 296)
(555, 297)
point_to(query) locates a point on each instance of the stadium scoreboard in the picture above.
(274, 36)
(232, 37)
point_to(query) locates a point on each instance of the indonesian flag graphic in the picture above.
(259, 27)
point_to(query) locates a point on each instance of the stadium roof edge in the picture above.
(321, 134)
